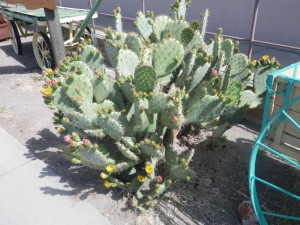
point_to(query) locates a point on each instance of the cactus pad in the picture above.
(159, 25)
(143, 25)
(167, 57)
(134, 43)
(127, 62)
(144, 78)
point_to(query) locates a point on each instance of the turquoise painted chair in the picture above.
(280, 133)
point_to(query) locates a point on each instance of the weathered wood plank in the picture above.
(56, 36)
(35, 4)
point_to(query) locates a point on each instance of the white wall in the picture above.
(278, 20)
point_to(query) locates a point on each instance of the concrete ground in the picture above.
(26, 197)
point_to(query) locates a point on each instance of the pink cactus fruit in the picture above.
(54, 82)
(67, 138)
(214, 72)
(86, 142)
(175, 119)
(159, 179)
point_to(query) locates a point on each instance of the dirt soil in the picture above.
(212, 198)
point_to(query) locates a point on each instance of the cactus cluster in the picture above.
(167, 77)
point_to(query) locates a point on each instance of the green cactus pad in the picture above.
(98, 133)
(204, 109)
(141, 121)
(79, 89)
(144, 78)
(171, 156)
(204, 22)
(198, 76)
(177, 172)
(127, 62)
(260, 79)
(95, 158)
(159, 26)
(159, 103)
(143, 25)
(196, 42)
(189, 65)
(80, 68)
(149, 150)
(127, 90)
(233, 92)
(63, 102)
(175, 28)
(172, 118)
(111, 127)
(93, 58)
(187, 36)
(228, 48)
(128, 141)
(112, 52)
(238, 63)
(220, 130)
(102, 88)
(80, 120)
(134, 43)
(118, 19)
(123, 166)
(250, 99)
(126, 152)
(167, 57)
(147, 56)
(105, 107)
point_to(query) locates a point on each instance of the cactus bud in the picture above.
(60, 130)
(75, 136)
(103, 175)
(188, 178)
(168, 182)
(149, 197)
(214, 92)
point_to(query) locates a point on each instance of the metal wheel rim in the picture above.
(41, 51)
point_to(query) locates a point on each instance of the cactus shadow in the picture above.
(77, 180)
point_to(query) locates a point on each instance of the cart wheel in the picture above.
(15, 37)
(89, 34)
(42, 50)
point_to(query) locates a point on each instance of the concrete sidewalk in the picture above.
(23, 200)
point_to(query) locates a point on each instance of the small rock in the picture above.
(207, 182)
(247, 214)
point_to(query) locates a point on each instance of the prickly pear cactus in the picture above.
(167, 77)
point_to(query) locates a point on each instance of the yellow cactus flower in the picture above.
(103, 175)
(254, 62)
(265, 57)
(148, 169)
(49, 71)
(141, 179)
(47, 91)
(107, 184)
(109, 168)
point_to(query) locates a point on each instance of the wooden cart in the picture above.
(24, 23)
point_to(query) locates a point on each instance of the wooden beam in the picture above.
(56, 36)
(35, 4)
